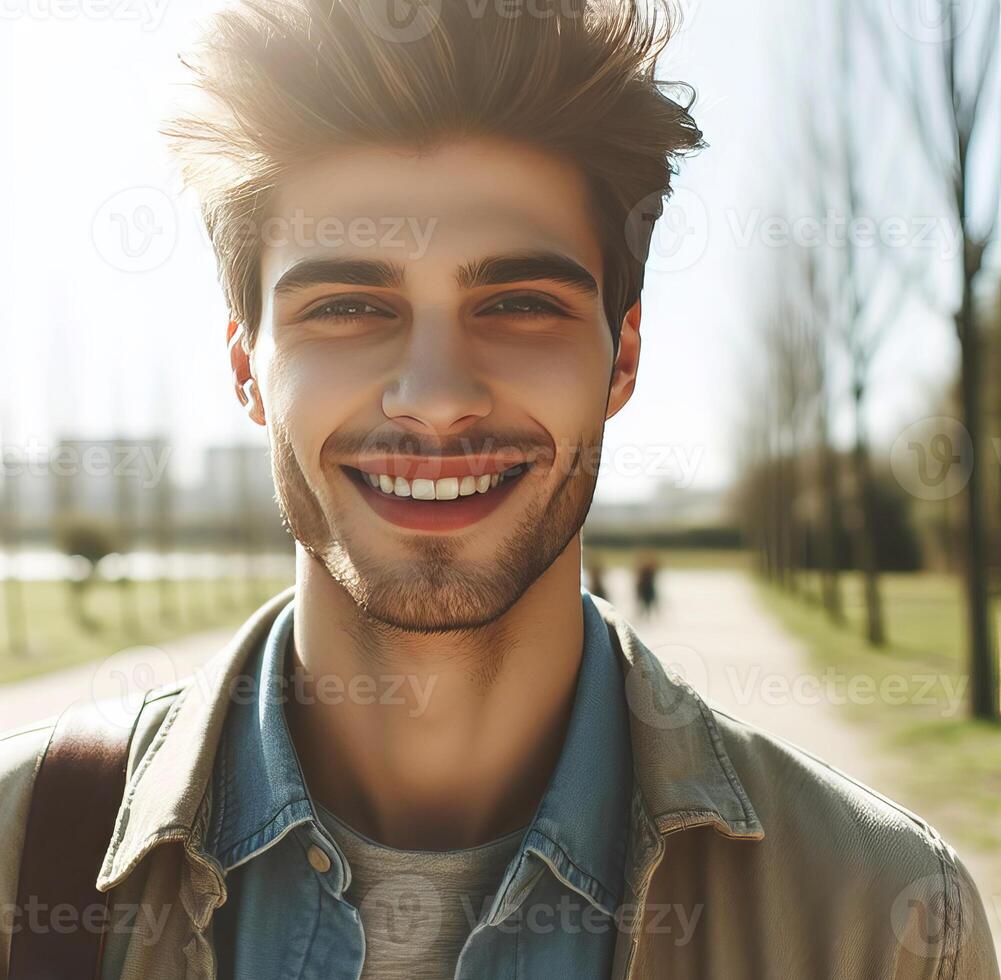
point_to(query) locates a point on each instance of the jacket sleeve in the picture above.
(942, 928)
(976, 953)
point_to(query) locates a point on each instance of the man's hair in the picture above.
(282, 82)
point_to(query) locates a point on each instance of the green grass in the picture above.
(923, 614)
(946, 759)
(55, 638)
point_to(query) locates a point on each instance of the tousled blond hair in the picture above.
(280, 82)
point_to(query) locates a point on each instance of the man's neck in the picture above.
(434, 742)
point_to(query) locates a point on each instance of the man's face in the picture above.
(434, 321)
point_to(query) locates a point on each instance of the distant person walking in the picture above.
(646, 586)
(596, 579)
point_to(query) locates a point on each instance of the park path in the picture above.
(139, 668)
(709, 625)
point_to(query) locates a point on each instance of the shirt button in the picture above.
(318, 858)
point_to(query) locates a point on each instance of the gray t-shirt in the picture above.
(418, 907)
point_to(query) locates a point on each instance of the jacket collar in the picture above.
(684, 777)
(682, 768)
(165, 799)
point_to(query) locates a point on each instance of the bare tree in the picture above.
(817, 282)
(755, 496)
(125, 511)
(13, 587)
(780, 395)
(847, 305)
(949, 92)
(817, 370)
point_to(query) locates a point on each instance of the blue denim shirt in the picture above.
(553, 911)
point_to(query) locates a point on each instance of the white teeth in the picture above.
(422, 489)
(447, 488)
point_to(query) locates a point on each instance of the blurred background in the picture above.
(800, 508)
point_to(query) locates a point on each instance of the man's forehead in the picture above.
(481, 165)
(428, 244)
(460, 200)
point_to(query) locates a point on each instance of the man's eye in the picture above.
(522, 306)
(344, 309)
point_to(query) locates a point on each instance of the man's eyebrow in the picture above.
(491, 271)
(349, 272)
(497, 269)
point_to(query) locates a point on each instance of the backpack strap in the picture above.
(77, 793)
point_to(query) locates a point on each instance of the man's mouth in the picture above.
(444, 488)
(447, 503)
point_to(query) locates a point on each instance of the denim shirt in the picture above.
(286, 917)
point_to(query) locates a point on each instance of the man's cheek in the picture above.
(300, 430)
(310, 402)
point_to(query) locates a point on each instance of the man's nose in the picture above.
(436, 388)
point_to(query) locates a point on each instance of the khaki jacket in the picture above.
(749, 858)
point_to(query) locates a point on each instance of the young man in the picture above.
(438, 756)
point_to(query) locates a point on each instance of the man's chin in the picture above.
(440, 592)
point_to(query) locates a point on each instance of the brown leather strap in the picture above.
(63, 918)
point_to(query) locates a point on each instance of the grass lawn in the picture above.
(56, 638)
(918, 711)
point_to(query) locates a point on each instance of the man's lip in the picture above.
(436, 467)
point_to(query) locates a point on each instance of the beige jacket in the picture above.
(749, 858)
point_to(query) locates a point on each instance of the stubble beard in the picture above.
(428, 588)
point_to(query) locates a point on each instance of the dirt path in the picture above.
(709, 625)
(139, 668)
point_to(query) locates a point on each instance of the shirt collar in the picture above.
(580, 827)
(259, 791)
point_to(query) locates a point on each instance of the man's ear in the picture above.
(627, 361)
(244, 382)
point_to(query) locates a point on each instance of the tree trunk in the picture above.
(865, 541)
(14, 608)
(792, 528)
(830, 536)
(983, 664)
(17, 631)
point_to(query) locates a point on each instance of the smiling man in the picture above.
(438, 756)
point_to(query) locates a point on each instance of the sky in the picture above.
(100, 335)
